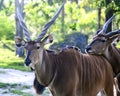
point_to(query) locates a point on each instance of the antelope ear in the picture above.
(48, 39)
(114, 34)
(19, 41)
(111, 36)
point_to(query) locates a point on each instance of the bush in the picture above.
(76, 39)
(6, 27)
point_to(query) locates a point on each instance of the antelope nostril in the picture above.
(27, 62)
(18, 45)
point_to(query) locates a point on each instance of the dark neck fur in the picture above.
(114, 58)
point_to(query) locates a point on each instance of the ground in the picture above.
(17, 83)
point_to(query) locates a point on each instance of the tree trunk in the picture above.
(50, 2)
(99, 18)
(19, 30)
(62, 21)
(74, 1)
(109, 13)
(1, 3)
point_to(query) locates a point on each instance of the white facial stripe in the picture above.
(37, 44)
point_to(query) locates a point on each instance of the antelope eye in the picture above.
(37, 45)
(103, 40)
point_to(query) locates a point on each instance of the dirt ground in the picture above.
(17, 83)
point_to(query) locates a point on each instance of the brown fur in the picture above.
(114, 59)
(109, 51)
(71, 73)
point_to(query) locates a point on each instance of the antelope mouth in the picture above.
(31, 65)
(89, 51)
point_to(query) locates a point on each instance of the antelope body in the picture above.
(102, 44)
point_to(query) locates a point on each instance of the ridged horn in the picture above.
(44, 31)
(22, 22)
(105, 26)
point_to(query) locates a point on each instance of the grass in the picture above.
(15, 89)
(19, 89)
(8, 58)
(5, 85)
(2, 85)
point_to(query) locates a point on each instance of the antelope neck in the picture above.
(113, 55)
(45, 70)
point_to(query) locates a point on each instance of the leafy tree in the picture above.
(6, 28)
(76, 18)
(6, 21)
(110, 6)
(1, 3)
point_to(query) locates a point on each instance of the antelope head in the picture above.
(102, 40)
(34, 48)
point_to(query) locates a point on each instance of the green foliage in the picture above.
(38, 14)
(118, 45)
(8, 58)
(81, 17)
(77, 18)
(8, 7)
(6, 27)
(2, 85)
(81, 20)
(117, 2)
(7, 22)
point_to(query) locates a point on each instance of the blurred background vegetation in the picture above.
(79, 16)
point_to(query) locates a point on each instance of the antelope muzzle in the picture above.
(27, 60)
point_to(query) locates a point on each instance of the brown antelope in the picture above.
(38, 87)
(102, 44)
(68, 72)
